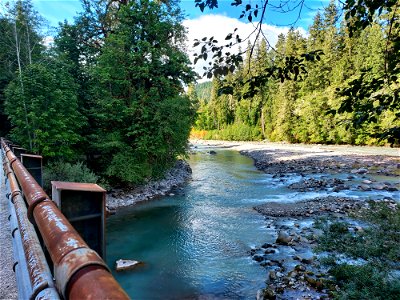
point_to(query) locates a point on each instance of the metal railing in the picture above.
(79, 272)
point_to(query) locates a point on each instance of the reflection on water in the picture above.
(195, 244)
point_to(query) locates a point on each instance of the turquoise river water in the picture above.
(195, 243)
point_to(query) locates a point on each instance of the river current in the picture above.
(195, 243)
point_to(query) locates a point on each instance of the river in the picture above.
(195, 243)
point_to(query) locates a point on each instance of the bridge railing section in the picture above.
(79, 272)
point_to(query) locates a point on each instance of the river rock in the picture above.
(212, 152)
(272, 275)
(266, 245)
(358, 228)
(127, 264)
(283, 238)
(258, 258)
(307, 260)
(379, 186)
(364, 187)
(392, 189)
(300, 268)
(266, 294)
(269, 251)
(359, 171)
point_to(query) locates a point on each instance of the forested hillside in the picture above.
(350, 94)
(109, 92)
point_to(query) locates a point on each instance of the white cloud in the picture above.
(219, 26)
(48, 41)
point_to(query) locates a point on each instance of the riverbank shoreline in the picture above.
(293, 268)
(177, 176)
(316, 149)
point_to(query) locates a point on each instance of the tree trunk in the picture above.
(17, 50)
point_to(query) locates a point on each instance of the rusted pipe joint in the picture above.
(36, 199)
(44, 285)
(71, 263)
(12, 160)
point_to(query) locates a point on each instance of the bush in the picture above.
(365, 282)
(376, 248)
(64, 171)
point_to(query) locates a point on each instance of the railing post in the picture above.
(33, 163)
(18, 151)
(84, 206)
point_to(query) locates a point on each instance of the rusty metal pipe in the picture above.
(39, 272)
(71, 256)
(20, 267)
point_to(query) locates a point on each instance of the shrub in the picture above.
(65, 171)
(375, 248)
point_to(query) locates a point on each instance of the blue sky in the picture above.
(218, 22)
(57, 10)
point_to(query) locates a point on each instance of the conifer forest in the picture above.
(348, 92)
(116, 90)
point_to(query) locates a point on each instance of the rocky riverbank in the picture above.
(294, 269)
(330, 173)
(174, 178)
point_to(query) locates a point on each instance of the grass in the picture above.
(375, 248)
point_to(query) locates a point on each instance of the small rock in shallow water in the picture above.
(359, 171)
(379, 186)
(127, 264)
(283, 238)
(307, 260)
(269, 251)
(258, 258)
(392, 189)
(272, 275)
(364, 187)
(265, 294)
(266, 245)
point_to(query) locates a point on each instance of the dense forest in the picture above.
(107, 98)
(108, 92)
(348, 95)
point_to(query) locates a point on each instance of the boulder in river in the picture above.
(365, 187)
(283, 238)
(127, 264)
(359, 171)
(379, 186)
